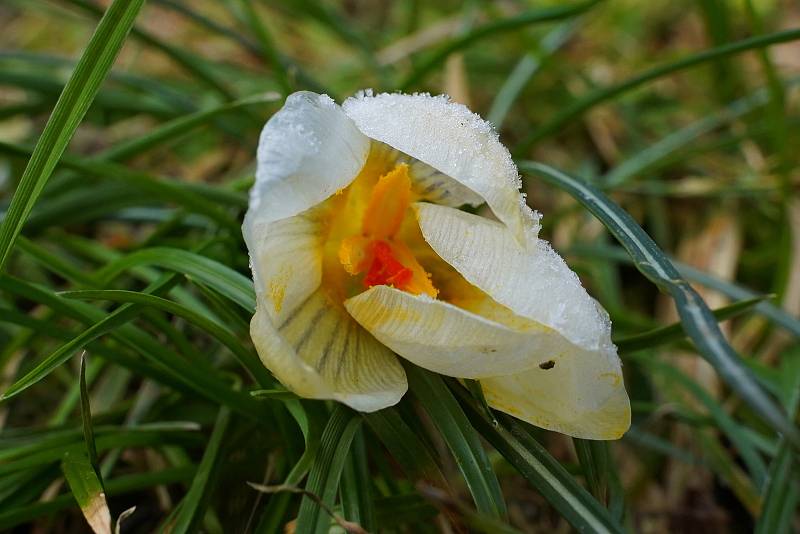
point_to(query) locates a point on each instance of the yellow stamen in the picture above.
(377, 252)
(388, 204)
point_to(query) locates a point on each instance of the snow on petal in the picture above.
(308, 150)
(532, 281)
(453, 140)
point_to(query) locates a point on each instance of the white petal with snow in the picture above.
(532, 281)
(452, 139)
(307, 151)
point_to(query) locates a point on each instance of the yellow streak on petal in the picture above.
(277, 291)
(615, 378)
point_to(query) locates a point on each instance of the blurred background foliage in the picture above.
(700, 148)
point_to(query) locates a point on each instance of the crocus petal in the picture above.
(580, 394)
(431, 184)
(310, 344)
(318, 351)
(307, 151)
(452, 139)
(449, 340)
(531, 280)
(286, 260)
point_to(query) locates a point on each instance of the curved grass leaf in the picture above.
(554, 483)
(266, 46)
(86, 416)
(472, 520)
(734, 291)
(215, 275)
(179, 126)
(593, 457)
(210, 24)
(310, 417)
(172, 99)
(118, 317)
(698, 321)
(658, 151)
(159, 363)
(461, 439)
(248, 360)
(144, 184)
(724, 422)
(781, 490)
(405, 446)
(581, 105)
(674, 332)
(121, 437)
(75, 99)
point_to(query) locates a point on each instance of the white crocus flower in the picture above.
(360, 253)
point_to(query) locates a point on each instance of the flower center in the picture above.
(377, 251)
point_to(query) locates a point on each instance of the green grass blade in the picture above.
(323, 480)
(534, 16)
(119, 486)
(215, 275)
(674, 332)
(524, 70)
(87, 489)
(157, 362)
(405, 446)
(54, 262)
(656, 152)
(194, 503)
(723, 420)
(698, 321)
(144, 184)
(81, 469)
(461, 439)
(782, 496)
(581, 105)
(266, 45)
(118, 317)
(554, 483)
(594, 463)
(195, 66)
(781, 490)
(75, 99)
(356, 489)
(25, 457)
(734, 291)
(179, 126)
(86, 417)
(248, 360)
(310, 417)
